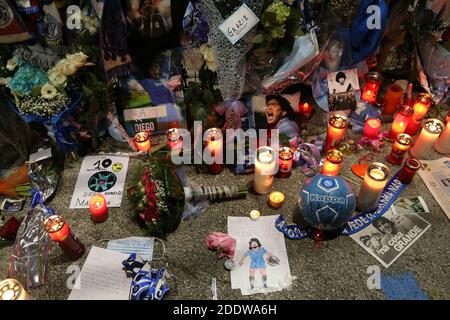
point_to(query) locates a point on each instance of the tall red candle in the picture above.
(392, 99)
(305, 110)
(98, 208)
(372, 128)
(214, 144)
(401, 121)
(337, 127)
(333, 163)
(59, 231)
(421, 106)
(372, 87)
(407, 173)
(286, 156)
(400, 148)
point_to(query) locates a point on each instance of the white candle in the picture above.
(374, 182)
(442, 145)
(424, 144)
(265, 167)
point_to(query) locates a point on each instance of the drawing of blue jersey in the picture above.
(257, 258)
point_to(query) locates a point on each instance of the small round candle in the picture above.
(372, 87)
(392, 99)
(337, 127)
(421, 106)
(59, 231)
(305, 110)
(424, 144)
(442, 145)
(11, 289)
(142, 141)
(255, 214)
(400, 148)
(265, 168)
(98, 208)
(373, 185)
(401, 121)
(286, 156)
(333, 163)
(214, 144)
(407, 173)
(372, 128)
(276, 199)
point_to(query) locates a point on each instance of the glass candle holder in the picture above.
(337, 127)
(174, 139)
(59, 231)
(305, 110)
(11, 289)
(98, 208)
(265, 168)
(409, 170)
(401, 121)
(421, 106)
(373, 185)
(392, 99)
(372, 87)
(442, 145)
(214, 144)
(333, 163)
(286, 156)
(372, 128)
(276, 199)
(423, 147)
(142, 141)
(400, 148)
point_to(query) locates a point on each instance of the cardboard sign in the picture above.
(100, 174)
(239, 24)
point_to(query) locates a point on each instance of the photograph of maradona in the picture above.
(388, 237)
(342, 87)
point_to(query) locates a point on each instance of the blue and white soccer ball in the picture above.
(326, 202)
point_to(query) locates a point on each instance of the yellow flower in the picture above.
(48, 91)
(208, 55)
(77, 59)
(57, 77)
(11, 64)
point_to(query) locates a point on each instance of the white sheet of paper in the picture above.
(142, 246)
(243, 229)
(102, 277)
(104, 174)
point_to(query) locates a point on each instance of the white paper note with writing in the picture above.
(261, 257)
(142, 246)
(239, 24)
(102, 277)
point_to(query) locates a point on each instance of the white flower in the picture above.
(208, 55)
(48, 91)
(57, 77)
(11, 64)
(78, 59)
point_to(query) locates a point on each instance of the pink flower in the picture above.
(222, 242)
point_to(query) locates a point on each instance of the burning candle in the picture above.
(265, 168)
(392, 99)
(425, 142)
(372, 128)
(374, 182)
(401, 121)
(442, 145)
(98, 208)
(142, 141)
(421, 107)
(337, 128)
(276, 199)
(286, 156)
(59, 231)
(174, 139)
(333, 163)
(305, 110)
(11, 289)
(407, 173)
(372, 87)
(254, 215)
(401, 147)
(214, 144)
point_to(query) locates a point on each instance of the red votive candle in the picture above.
(372, 87)
(59, 231)
(401, 121)
(333, 163)
(401, 147)
(337, 127)
(214, 144)
(421, 106)
(98, 208)
(372, 128)
(392, 99)
(286, 156)
(305, 110)
(407, 173)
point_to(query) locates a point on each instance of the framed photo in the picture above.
(342, 86)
